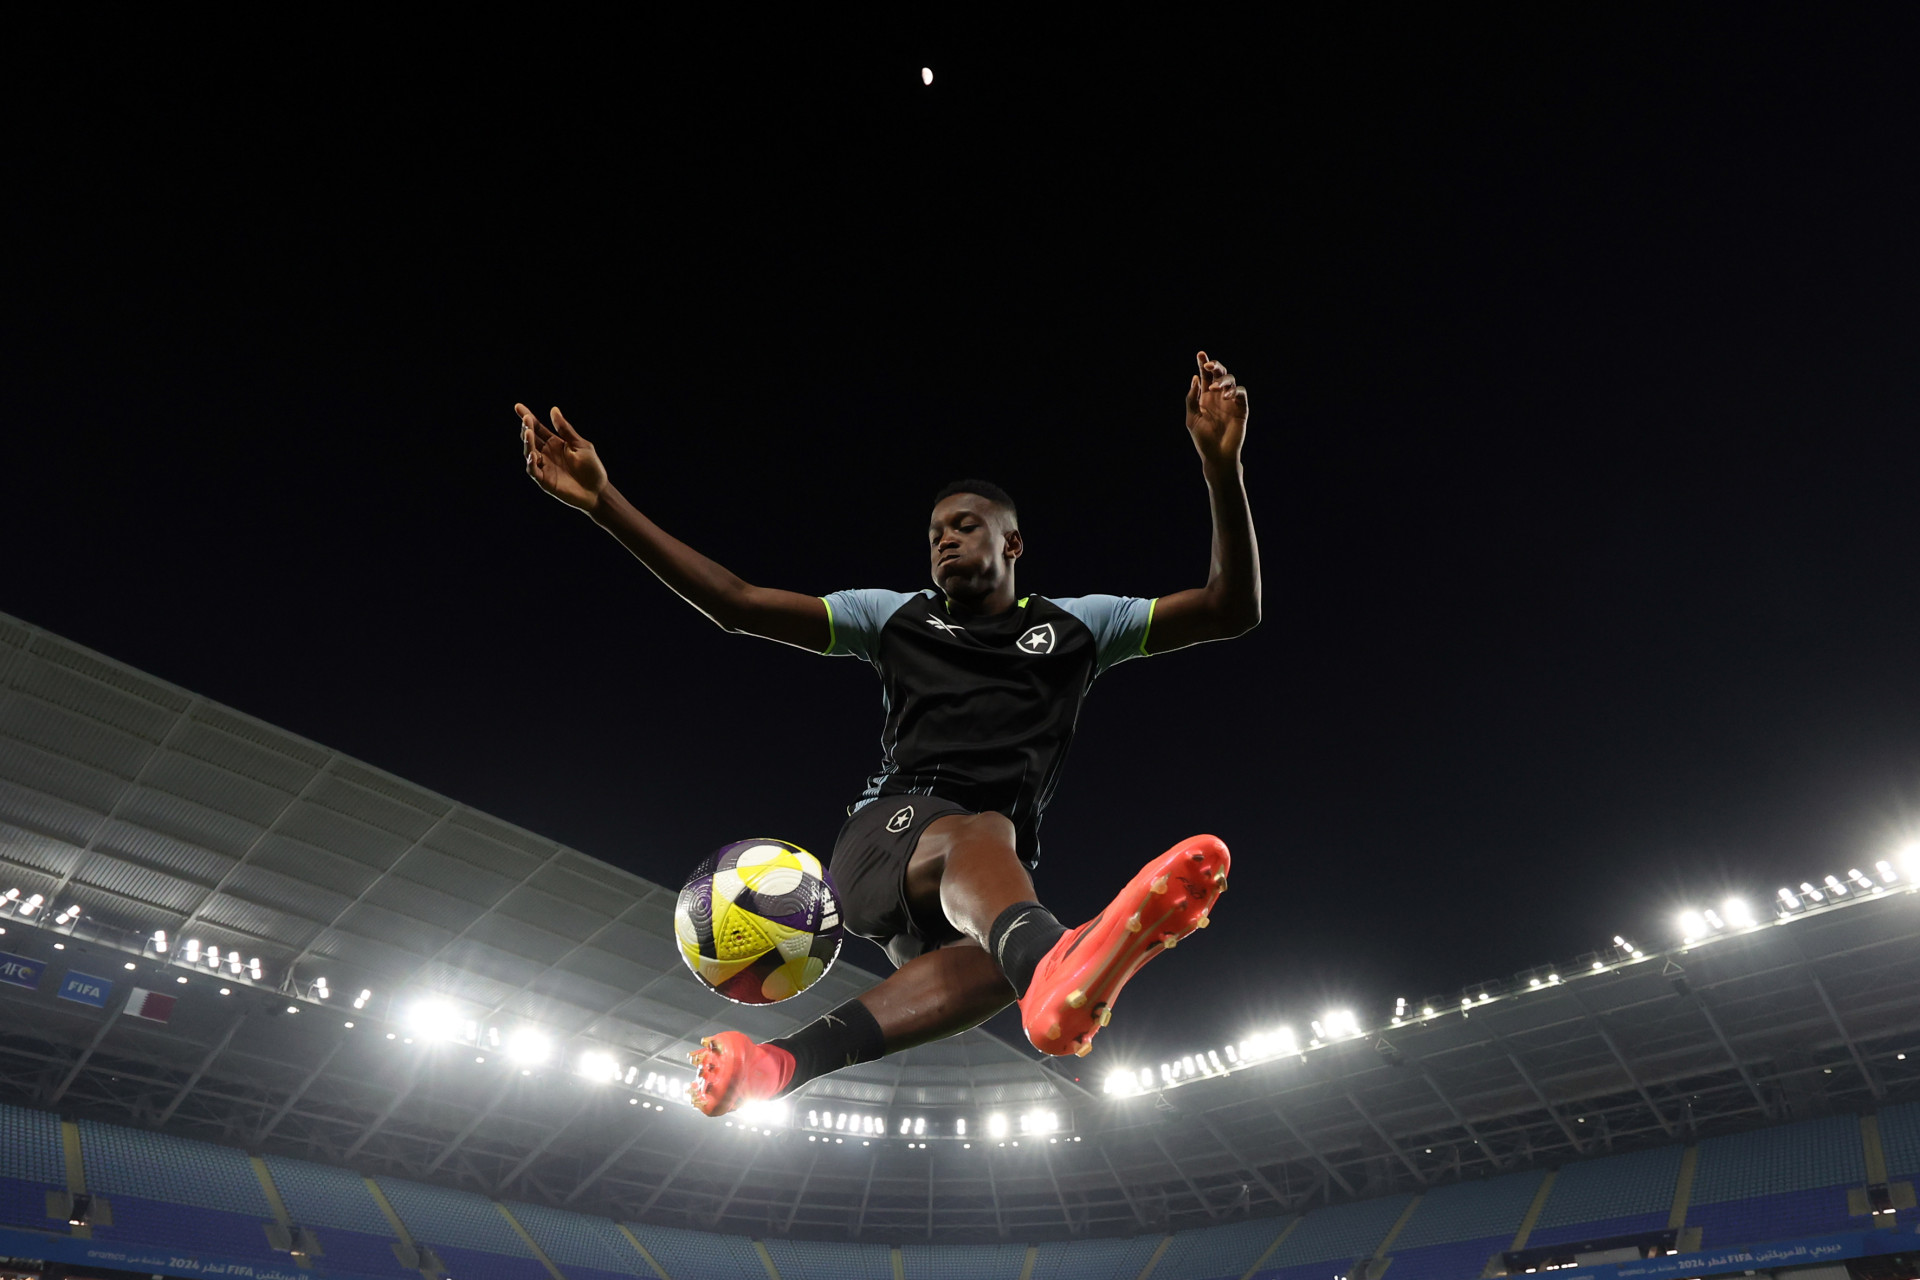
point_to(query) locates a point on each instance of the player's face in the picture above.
(971, 546)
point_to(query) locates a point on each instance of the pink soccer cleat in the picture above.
(1077, 982)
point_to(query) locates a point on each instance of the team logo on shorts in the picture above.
(1037, 639)
(901, 820)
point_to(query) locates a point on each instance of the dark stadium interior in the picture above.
(1581, 345)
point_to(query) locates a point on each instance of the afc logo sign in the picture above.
(1037, 639)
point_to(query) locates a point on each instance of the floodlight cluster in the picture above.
(1899, 872)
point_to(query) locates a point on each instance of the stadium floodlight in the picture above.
(767, 1112)
(160, 940)
(1713, 918)
(905, 1124)
(1853, 874)
(31, 905)
(599, 1067)
(360, 1001)
(1887, 874)
(68, 916)
(193, 951)
(1788, 900)
(1807, 890)
(919, 1126)
(253, 968)
(1692, 925)
(528, 1047)
(996, 1125)
(1908, 860)
(960, 1127)
(1834, 887)
(320, 988)
(213, 957)
(1120, 1082)
(1232, 1055)
(10, 896)
(1738, 913)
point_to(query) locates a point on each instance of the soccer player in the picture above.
(983, 687)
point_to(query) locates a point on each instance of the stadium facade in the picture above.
(244, 975)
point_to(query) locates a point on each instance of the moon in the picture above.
(926, 75)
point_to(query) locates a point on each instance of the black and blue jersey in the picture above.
(981, 710)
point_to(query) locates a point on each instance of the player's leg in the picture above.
(946, 981)
(936, 994)
(1073, 987)
(1067, 981)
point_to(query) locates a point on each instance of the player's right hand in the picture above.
(561, 460)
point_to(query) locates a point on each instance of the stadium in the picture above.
(270, 1011)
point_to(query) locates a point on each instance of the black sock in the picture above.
(836, 1039)
(1020, 938)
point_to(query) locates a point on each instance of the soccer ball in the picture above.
(758, 922)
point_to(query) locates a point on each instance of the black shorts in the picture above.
(868, 872)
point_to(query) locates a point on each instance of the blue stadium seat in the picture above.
(962, 1262)
(337, 1207)
(32, 1163)
(1469, 1211)
(1775, 1217)
(1458, 1260)
(1611, 1196)
(1770, 1183)
(583, 1246)
(1218, 1253)
(817, 1260)
(1336, 1234)
(466, 1230)
(1900, 1141)
(176, 1193)
(700, 1255)
(1099, 1259)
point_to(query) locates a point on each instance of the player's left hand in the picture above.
(1216, 412)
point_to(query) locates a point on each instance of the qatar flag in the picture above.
(151, 1005)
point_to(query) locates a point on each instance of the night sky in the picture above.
(1584, 366)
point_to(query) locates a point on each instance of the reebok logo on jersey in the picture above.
(1037, 639)
(901, 820)
(948, 627)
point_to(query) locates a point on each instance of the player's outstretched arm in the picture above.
(1229, 604)
(565, 464)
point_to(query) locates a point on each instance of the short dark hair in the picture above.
(984, 488)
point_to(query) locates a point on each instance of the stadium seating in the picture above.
(1218, 1253)
(1107, 1259)
(698, 1255)
(962, 1262)
(1611, 1196)
(1488, 1208)
(584, 1247)
(467, 1231)
(337, 1207)
(32, 1163)
(203, 1199)
(177, 1193)
(810, 1260)
(1328, 1240)
(1771, 1183)
(1900, 1141)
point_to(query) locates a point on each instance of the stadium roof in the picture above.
(152, 809)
